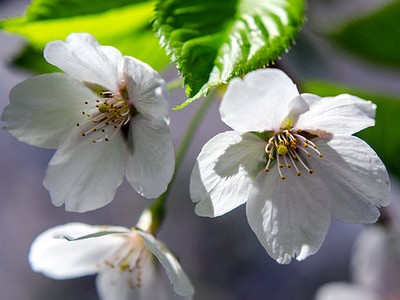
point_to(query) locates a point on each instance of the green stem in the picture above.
(157, 209)
(175, 84)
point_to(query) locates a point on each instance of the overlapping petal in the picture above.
(44, 108)
(259, 102)
(357, 180)
(344, 114)
(83, 175)
(151, 158)
(288, 218)
(146, 89)
(53, 255)
(224, 172)
(83, 58)
(176, 275)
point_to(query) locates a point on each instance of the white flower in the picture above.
(375, 266)
(122, 258)
(108, 117)
(293, 159)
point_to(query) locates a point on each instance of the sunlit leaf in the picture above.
(375, 37)
(54, 9)
(128, 28)
(384, 137)
(213, 41)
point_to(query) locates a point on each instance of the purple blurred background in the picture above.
(222, 256)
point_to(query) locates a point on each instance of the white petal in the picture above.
(356, 177)
(176, 275)
(224, 173)
(115, 284)
(151, 158)
(146, 89)
(296, 107)
(290, 217)
(259, 102)
(45, 108)
(344, 114)
(83, 175)
(344, 291)
(83, 58)
(55, 257)
(376, 260)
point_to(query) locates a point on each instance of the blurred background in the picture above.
(221, 256)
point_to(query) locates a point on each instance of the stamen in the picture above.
(287, 147)
(112, 109)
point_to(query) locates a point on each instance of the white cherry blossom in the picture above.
(127, 261)
(375, 268)
(294, 162)
(107, 116)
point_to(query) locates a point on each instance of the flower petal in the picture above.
(357, 180)
(290, 217)
(58, 258)
(151, 157)
(146, 89)
(43, 109)
(344, 114)
(84, 175)
(375, 262)
(223, 176)
(259, 102)
(344, 291)
(83, 58)
(175, 273)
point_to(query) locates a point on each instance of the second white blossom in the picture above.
(293, 159)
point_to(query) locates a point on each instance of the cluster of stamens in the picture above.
(131, 261)
(105, 116)
(290, 149)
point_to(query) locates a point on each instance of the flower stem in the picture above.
(175, 84)
(156, 211)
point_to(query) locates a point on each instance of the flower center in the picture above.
(105, 116)
(131, 257)
(290, 149)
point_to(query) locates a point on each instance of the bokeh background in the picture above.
(222, 256)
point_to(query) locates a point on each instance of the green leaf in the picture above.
(213, 41)
(127, 28)
(55, 9)
(375, 37)
(31, 59)
(384, 137)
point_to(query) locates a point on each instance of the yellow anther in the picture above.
(281, 166)
(298, 174)
(311, 171)
(124, 266)
(266, 169)
(283, 177)
(281, 149)
(103, 108)
(321, 155)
